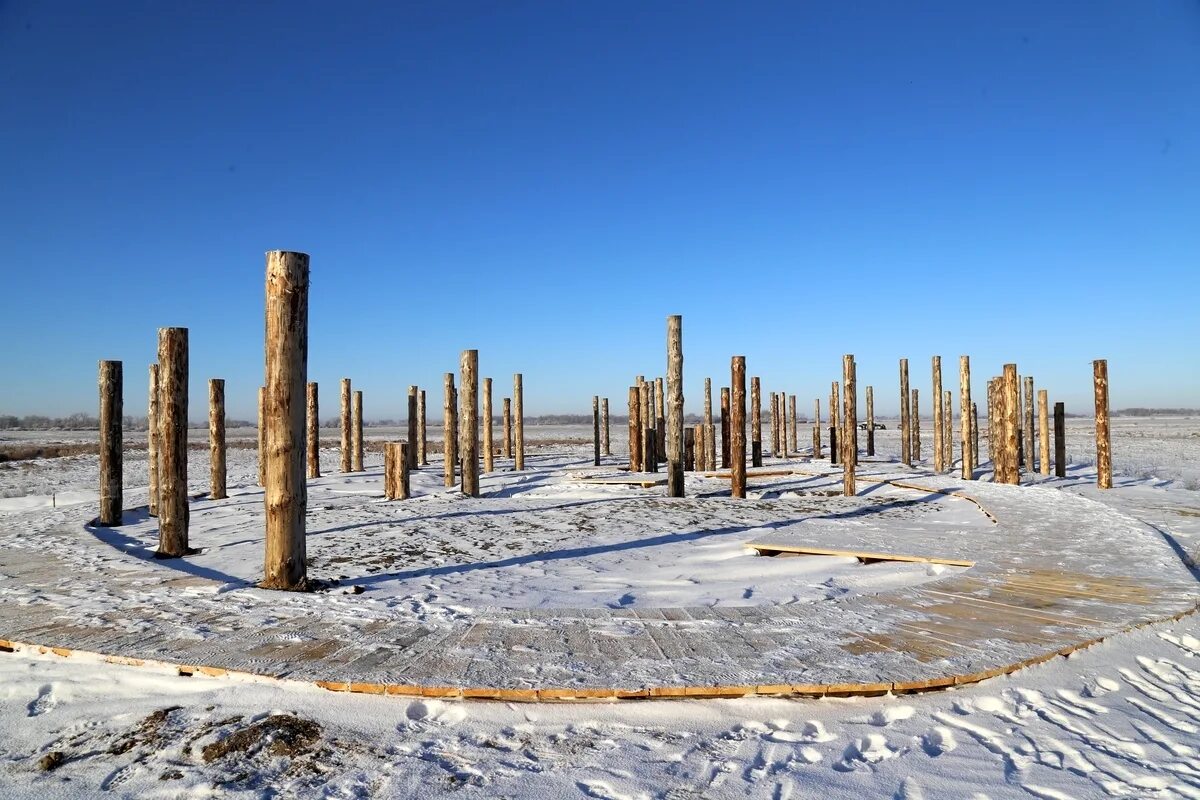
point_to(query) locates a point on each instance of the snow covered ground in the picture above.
(1121, 719)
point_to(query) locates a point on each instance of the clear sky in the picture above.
(546, 182)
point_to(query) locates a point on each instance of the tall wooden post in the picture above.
(356, 454)
(870, 421)
(413, 427)
(287, 375)
(635, 430)
(725, 452)
(1043, 431)
(422, 436)
(1030, 446)
(817, 428)
(1011, 412)
(489, 447)
(652, 422)
(774, 425)
(449, 409)
(112, 443)
(966, 412)
(905, 419)
(710, 462)
(646, 417)
(915, 411)
(939, 451)
(850, 425)
(674, 421)
(469, 424)
(506, 422)
(1103, 435)
(948, 428)
(216, 438)
(1060, 440)
(345, 409)
(755, 423)
(991, 414)
(152, 439)
(312, 447)
(835, 431)
(660, 419)
(262, 436)
(737, 425)
(596, 430)
(792, 417)
(518, 423)
(698, 444)
(689, 449)
(172, 442)
(605, 428)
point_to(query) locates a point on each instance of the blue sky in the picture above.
(547, 181)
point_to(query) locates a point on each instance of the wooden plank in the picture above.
(768, 549)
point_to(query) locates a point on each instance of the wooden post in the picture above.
(849, 425)
(216, 438)
(422, 437)
(489, 447)
(395, 470)
(689, 449)
(312, 447)
(346, 463)
(1103, 435)
(284, 562)
(939, 451)
(660, 420)
(774, 425)
(1060, 440)
(449, 409)
(403, 459)
(518, 423)
(635, 430)
(596, 430)
(948, 429)
(870, 421)
(262, 436)
(795, 441)
(506, 423)
(966, 412)
(817, 428)
(991, 414)
(781, 399)
(1043, 431)
(1030, 446)
(905, 419)
(389, 470)
(413, 427)
(725, 451)
(605, 429)
(152, 440)
(835, 431)
(698, 444)
(915, 411)
(674, 421)
(172, 442)
(356, 462)
(710, 462)
(469, 424)
(737, 424)
(112, 443)
(643, 407)
(755, 423)
(649, 446)
(1011, 418)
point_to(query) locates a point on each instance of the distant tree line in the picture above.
(86, 422)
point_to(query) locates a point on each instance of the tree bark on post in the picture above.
(991, 416)
(849, 425)
(413, 427)
(1060, 440)
(469, 424)
(1044, 431)
(915, 411)
(284, 562)
(698, 446)
(312, 448)
(939, 464)
(649, 447)
(689, 449)
(817, 428)
(966, 411)
(1011, 410)
(449, 409)
(152, 439)
(948, 428)
(870, 421)
(905, 420)
(835, 433)
(389, 471)
(216, 439)
(489, 447)
(774, 425)
(422, 436)
(725, 452)
(1030, 445)
(345, 409)
(635, 430)
(660, 420)
(710, 462)
(596, 430)
(356, 453)
(518, 423)
(605, 429)
(674, 422)
(507, 423)
(755, 423)
(1103, 435)
(112, 444)
(262, 436)
(737, 425)
(795, 441)
(172, 442)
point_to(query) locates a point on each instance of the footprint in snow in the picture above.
(886, 716)
(812, 731)
(937, 740)
(45, 701)
(870, 749)
(435, 712)
(909, 790)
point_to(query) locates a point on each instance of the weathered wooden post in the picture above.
(403, 460)
(389, 469)
(596, 430)
(915, 410)
(795, 440)
(991, 415)
(649, 429)
(395, 470)
(774, 425)
(635, 430)
(605, 429)
(112, 443)
(172, 442)
(506, 423)
(413, 427)
(784, 440)
(870, 421)
(489, 447)
(817, 428)
(356, 453)
(645, 457)
(725, 452)
(1103, 435)
(152, 440)
(1044, 431)
(835, 435)
(1060, 440)
(1011, 413)
(518, 423)
(422, 436)
(674, 421)
(755, 423)
(286, 496)
(905, 419)
(698, 447)
(1030, 445)
(966, 412)
(710, 458)
(312, 447)
(689, 449)
(469, 424)
(262, 436)
(449, 410)
(850, 424)
(345, 409)
(948, 428)
(939, 451)
(216, 438)
(737, 425)
(660, 420)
